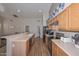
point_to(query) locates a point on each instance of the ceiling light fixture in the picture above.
(18, 10)
(40, 11)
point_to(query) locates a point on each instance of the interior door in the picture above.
(27, 28)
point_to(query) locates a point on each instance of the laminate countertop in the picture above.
(20, 36)
(68, 47)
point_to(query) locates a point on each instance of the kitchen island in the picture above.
(18, 44)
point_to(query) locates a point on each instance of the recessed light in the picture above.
(18, 10)
(2, 10)
(40, 11)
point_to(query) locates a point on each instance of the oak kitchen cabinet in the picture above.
(54, 49)
(50, 27)
(57, 51)
(60, 48)
(20, 47)
(69, 18)
(55, 24)
(49, 23)
(74, 17)
(63, 20)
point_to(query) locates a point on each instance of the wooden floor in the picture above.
(39, 49)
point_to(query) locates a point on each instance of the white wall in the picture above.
(1, 26)
(18, 25)
(32, 22)
(7, 25)
(45, 18)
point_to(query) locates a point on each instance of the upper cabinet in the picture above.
(63, 20)
(68, 20)
(74, 17)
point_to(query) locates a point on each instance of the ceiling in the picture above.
(28, 10)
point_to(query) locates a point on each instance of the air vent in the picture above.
(15, 15)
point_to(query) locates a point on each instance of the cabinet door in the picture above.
(74, 17)
(27, 47)
(54, 49)
(50, 27)
(18, 48)
(63, 20)
(46, 39)
(60, 52)
(54, 26)
(50, 21)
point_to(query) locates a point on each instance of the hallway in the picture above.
(39, 49)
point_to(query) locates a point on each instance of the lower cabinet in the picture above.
(33, 39)
(56, 51)
(20, 48)
(46, 40)
(27, 47)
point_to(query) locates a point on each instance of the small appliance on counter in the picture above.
(59, 35)
(66, 39)
(76, 39)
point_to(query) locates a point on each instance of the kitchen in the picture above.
(49, 22)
